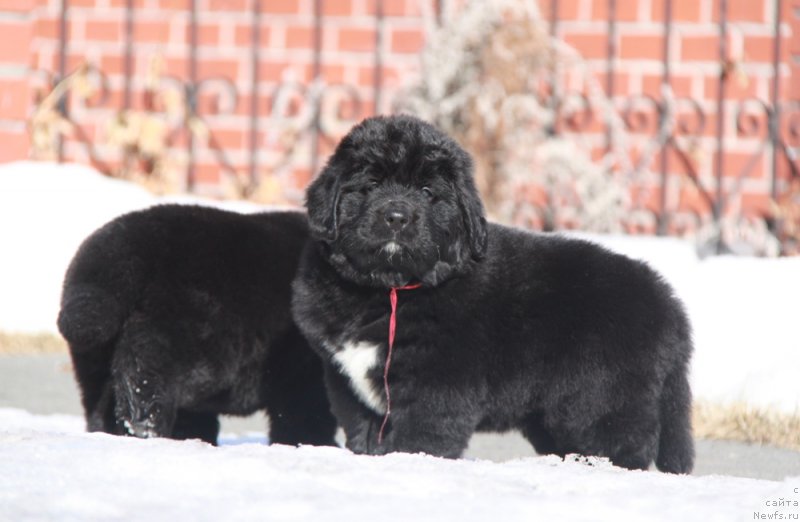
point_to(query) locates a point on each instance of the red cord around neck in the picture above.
(392, 328)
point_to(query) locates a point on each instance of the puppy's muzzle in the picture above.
(397, 215)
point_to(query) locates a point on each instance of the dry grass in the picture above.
(747, 424)
(23, 343)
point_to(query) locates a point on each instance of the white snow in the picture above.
(747, 349)
(51, 470)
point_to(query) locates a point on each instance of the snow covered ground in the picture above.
(747, 349)
(744, 310)
(51, 470)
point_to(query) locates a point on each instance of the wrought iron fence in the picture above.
(676, 117)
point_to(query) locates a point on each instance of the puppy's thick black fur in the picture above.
(582, 350)
(176, 314)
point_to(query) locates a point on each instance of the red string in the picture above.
(392, 328)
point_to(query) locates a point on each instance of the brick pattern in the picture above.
(695, 66)
(350, 38)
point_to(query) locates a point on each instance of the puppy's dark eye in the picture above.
(369, 186)
(429, 194)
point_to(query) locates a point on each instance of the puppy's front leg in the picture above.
(360, 424)
(425, 422)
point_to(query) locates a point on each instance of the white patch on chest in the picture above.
(356, 360)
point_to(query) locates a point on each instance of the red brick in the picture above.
(16, 42)
(299, 37)
(591, 46)
(700, 48)
(641, 47)
(179, 5)
(758, 49)
(46, 28)
(112, 64)
(206, 173)
(337, 8)
(15, 95)
(152, 31)
(228, 5)
(272, 71)
(794, 43)
(16, 145)
(567, 9)
(390, 7)
(137, 4)
(750, 165)
(281, 6)
(302, 176)
(757, 204)
(43, 60)
(407, 41)
(736, 87)
(178, 67)
(243, 35)
(19, 6)
(681, 86)
(627, 10)
(106, 31)
(682, 10)
(228, 139)
(357, 39)
(207, 34)
(366, 76)
(741, 11)
(211, 68)
(333, 73)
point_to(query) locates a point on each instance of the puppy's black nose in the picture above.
(397, 219)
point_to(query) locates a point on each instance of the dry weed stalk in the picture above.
(486, 80)
(746, 424)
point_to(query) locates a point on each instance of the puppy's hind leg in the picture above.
(629, 438)
(298, 407)
(196, 425)
(533, 430)
(676, 446)
(144, 404)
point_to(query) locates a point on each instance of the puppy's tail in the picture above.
(89, 316)
(676, 445)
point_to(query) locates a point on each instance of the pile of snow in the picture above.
(743, 309)
(51, 470)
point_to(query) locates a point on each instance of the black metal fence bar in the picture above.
(724, 65)
(255, 59)
(610, 70)
(662, 220)
(191, 95)
(775, 115)
(63, 41)
(378, 64)
(128, 67)
(315, 91)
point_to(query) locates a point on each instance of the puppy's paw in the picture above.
(588, 460)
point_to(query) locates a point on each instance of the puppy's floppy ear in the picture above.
(322, 202)
(471, 208)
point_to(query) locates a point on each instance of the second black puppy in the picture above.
(176, 314)
(583, 350)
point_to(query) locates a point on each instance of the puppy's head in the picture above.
(396, 204)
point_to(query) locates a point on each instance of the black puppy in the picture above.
(583, 350)
(175, 314)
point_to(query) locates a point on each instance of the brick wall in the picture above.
(161, 28)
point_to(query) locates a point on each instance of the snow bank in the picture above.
(743, 309)
(50, 470)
